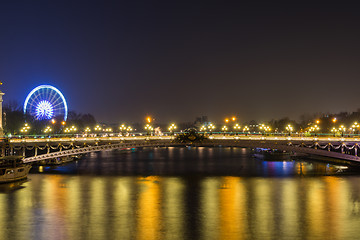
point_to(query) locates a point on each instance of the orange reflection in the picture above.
(149, 215)
(333, 209)
(230, 223)
(301, 169)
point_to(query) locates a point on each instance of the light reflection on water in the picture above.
(202, 205)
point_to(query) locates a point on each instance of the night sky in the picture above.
(177, 60)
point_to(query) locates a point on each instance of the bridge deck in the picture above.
(281, 144)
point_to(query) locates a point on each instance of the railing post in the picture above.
(356, 148)
(329, 147)
(342, 148)
(23, 151)
(36, 151)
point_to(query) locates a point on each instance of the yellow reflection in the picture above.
(290, 209)
(15, 211)
(264, 208)
(210, 208)
(69, 207)
(315, 207)
(54, 198)
(97, 207)
(148, 226)
(123, 189)
(174, 208)
(73, 206)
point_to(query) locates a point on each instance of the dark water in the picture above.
(182, 193)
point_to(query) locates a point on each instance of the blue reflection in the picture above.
(278, 169)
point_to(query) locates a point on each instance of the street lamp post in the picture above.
(97, 128)
(237, 127)
(25, 129)
(122, 129)
(203, 128)
(87, 130)
(355, 127)
(342, 129)
(48, 130)
(289, 128)
(71, 129)
(148, 129)
(129, 129)
(334, 130)
(246, 130)
(314, 129)
(211, 127)
(224, 129)
(172, 128)
(265, 128)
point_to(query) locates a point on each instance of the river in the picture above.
(182, 193)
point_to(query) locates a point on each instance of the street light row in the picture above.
(148, 127)
(123, 129)
(209, 127)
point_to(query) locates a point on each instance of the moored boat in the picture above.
(268, 154)
(13, 169)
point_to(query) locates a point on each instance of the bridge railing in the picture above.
(139, 134)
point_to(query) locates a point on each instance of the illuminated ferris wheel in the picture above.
(46, 102)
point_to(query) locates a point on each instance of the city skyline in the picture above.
(175, 62)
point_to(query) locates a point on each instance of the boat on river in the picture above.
(269, 154)
(12, 169)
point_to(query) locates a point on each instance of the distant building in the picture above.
(185, 125)
(199, 121)
(253, 126)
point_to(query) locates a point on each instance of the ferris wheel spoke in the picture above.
(52, 96)
(55, 100)
(59, 104)
(46, 94)
(59, 107)
(58, 101)
(31, 104)
(42, 93)
(30, 107)
(37, 97)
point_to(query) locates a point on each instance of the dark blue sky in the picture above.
(175, 61)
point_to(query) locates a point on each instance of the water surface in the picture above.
(183, 193)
